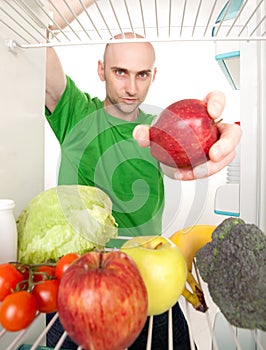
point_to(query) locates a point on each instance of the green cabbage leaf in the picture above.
(64, 219)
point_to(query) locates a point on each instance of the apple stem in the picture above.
(158, 245)
(100, 259)
(218, 121)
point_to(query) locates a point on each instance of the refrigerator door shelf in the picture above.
(226, 200)
(230, 65)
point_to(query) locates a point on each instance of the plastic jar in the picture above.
(8, 231)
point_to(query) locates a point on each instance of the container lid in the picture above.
(6, 204)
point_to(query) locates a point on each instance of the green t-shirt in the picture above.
(98, 149)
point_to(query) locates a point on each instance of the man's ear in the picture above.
(101, 70)
(154, 73)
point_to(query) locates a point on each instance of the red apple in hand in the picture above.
(183, 134)
(102, 301)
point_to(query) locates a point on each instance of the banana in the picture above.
(189, 240)
(196, 297)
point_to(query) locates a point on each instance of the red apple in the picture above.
(183, 134)
(102, 301)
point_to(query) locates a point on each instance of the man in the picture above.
(105, 144)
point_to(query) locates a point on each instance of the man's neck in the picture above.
(117, 113)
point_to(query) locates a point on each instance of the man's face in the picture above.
(128, 71)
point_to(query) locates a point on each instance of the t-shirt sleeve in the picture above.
(72, 107)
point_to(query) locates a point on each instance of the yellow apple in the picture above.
(163, 269)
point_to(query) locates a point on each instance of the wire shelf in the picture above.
(230, 335)
(155, 20)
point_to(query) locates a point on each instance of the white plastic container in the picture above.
(8, 231)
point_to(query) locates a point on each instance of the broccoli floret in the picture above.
(233, 265)
(225, 227)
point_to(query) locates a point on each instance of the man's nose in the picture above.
(131, 86)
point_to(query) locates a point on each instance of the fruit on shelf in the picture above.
(162, 267)
(18, 310)
(183, 134)
(189, 240)
(64, 262)
(9, 278)
(102, 301)
(195, 295)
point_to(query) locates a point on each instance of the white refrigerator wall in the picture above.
(185, 70)
(22, 75)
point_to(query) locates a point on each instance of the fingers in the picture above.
(212, 168)
(204, 170)
(215, 103)
(141, 134)
(230, 135)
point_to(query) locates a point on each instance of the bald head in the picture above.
(145, 49)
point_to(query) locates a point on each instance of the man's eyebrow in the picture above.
(147, 71)
(119, 68)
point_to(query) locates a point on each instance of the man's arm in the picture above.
(55, 79)
(59, 7)
(55, 76)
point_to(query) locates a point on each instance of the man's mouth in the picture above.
(129, 100)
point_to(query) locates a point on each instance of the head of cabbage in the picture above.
(64, 219)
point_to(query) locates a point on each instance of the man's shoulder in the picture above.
(73, 89)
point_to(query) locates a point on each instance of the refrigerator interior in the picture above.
(192, 41)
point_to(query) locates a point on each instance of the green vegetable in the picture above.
(64, 219)
(234, 266)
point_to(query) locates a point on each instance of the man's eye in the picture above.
(120, 72)
(143, 75)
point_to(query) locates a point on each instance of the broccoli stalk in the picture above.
(233, 265)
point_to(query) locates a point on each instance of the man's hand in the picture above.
(220, 154)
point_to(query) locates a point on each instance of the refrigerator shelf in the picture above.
(155, 20)
(221, 333)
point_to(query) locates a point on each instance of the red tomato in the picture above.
(18, 310)
(42, 273)
(9, 277)
(64, 262)
(46, 295)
